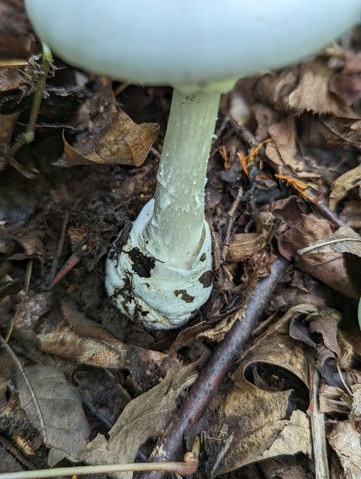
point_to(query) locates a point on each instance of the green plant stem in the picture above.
(28, 136)
(175, 231)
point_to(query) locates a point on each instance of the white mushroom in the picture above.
(162, 275)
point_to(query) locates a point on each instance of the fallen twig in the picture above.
(217, 368)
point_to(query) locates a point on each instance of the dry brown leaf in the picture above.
(328, 267)
(344, 240)
(66, 343)
(346, 84)
(338, 131)
(84, 341)
(10, 79)
(274, 88)
(144, 417)
(343, 185)
(244, 245)
(333, 400)
(55, 409)
(111, 136)
(312, 93)
(250, 422)
(282, 151)
(319, 330)
(29, 312)
(345, 441)
(125, 143)
(347, 87)
(79, 339)
(32, 245)
(351, 213)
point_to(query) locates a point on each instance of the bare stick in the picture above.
(217, 368)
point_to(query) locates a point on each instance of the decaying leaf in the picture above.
(144, 417)
(244, 245)
(329, 267)
(345, 441)
(312, 92)
(112, 138)
(282, 151)
(54, 408)
(333, 399)
(86, 342)
(79, 339)
(125, 143)
(344, 240)
(14, 422)
(252, 421)
(319, 330)
(274, 88)
(343, 185)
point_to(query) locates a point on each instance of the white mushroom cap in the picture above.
(180, 42)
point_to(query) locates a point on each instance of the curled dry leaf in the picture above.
(144, 417)
(124, 143)
(319, 330)
(329, 267)
(244, 245)
(344, 240)
(81, 340)
(343, 185)
(312, 93)
(333, 400)
(111, 136)
(252, 420)
(306, 88)
(76, 338)
(55, 409)
(282, 151)
(346, 83)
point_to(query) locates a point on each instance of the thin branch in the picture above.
(218, 366)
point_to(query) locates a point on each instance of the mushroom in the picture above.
(162, 274)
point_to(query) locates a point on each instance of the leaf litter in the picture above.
(290, 153)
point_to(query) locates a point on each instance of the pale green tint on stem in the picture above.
(176, 228)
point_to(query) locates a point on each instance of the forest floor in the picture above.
(81, 383)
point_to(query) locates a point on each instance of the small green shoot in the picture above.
(28, 136)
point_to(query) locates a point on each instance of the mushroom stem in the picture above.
(175, 231)
(162, 275)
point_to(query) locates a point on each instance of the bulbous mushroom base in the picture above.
(150, 291)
